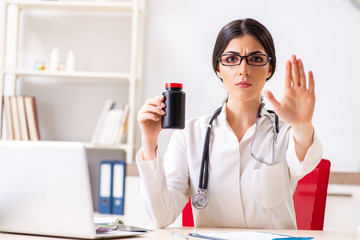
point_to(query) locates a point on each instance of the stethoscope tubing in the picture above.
(203, 178)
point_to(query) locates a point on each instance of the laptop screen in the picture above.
(45, 189)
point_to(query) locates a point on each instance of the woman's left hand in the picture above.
(297, 105)
(298, 102)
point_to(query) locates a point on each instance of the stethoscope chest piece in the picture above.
(200, 199)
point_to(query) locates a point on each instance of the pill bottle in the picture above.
(54, 59)
(70, 62)
(175, 106)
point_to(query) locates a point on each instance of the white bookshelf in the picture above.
(133, 8)
(120, 146)
(67, 5)
(77, 74)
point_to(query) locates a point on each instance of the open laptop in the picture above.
(45, 190)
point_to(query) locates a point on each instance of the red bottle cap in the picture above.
(173, 85)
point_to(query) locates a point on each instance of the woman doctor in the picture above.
(243, 191)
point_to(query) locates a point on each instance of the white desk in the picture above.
(165, 234)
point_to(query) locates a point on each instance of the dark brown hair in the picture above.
(240, 28)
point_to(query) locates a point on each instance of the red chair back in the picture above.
(187, 215)
(309, 200)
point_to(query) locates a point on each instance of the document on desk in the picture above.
(246, 235)
(106, 224)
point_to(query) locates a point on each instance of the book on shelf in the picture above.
(111, 127)
(15, 118)
(8, 118)
(109, 104)
(21, 118)
(32, 118)
(120, 135)
(24, 133)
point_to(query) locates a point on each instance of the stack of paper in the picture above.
(246, 235)
(106, 224)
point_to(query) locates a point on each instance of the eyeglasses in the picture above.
(233, 59)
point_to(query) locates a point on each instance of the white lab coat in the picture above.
(242, 192)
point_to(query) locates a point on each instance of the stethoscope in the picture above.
(200, 199)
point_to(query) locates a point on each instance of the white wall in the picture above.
(341, 203)
(179, 37)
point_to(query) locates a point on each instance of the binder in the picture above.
(105, 187)
(118, 185)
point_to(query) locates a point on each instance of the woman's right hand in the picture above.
(149, 119)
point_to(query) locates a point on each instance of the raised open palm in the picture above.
(298, 101)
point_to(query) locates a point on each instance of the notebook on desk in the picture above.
(45, 190)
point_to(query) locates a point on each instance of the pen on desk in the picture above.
(294, 238)
(180, 236)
